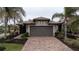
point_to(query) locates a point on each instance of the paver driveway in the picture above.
(45, 44)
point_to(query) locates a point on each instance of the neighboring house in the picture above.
(40, 26)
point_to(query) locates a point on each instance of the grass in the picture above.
(74, 43)
(12, 46)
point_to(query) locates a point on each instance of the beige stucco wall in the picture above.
(43, 23)
(28, 29)
(55, 28)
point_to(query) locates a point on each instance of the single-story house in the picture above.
(40, 26)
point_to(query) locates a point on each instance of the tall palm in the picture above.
(16, 14)
(68, 12)
(4, 18)
(60, 15)
(7, 13)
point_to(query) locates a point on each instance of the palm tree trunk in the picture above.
(65, 28)
(9, 28)
(14, 25)
(5, 31)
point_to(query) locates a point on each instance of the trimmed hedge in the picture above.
(2, 48)
(11, 40)
(25, 35)
(74, 44)
(70, 35)
(18, 41)
(12, 35)
(59, 35)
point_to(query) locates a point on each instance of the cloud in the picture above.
(32, 12)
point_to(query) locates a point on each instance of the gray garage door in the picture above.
(41, 31)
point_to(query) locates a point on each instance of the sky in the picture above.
(33, 12)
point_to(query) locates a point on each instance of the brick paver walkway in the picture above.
(45, 44)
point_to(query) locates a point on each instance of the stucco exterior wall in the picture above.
(41, 23)
(55, 28)
(28, 29)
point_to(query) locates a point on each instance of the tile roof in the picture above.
(41, 18)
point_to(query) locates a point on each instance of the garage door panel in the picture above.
(41, 31)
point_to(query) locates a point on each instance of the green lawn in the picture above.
(12, 46)
(74, 43)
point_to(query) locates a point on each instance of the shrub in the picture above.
(76, 44)
(71, 35)
(69, 41)
(59, 35)
(2, 48)
(2, 40)
(25, 35)
(72, 43)
(18, 41)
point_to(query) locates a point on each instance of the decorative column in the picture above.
(28, 30)
(53, 30)
(65, 29)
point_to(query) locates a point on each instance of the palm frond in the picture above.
(57, 15)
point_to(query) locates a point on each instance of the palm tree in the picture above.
(4, 18)
(68, 12)
(60, 15)
(7, 13)
(57, 15)
(16, 15)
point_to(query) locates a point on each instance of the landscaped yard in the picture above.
(73, 43)
(12, 46)
(71, 40)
